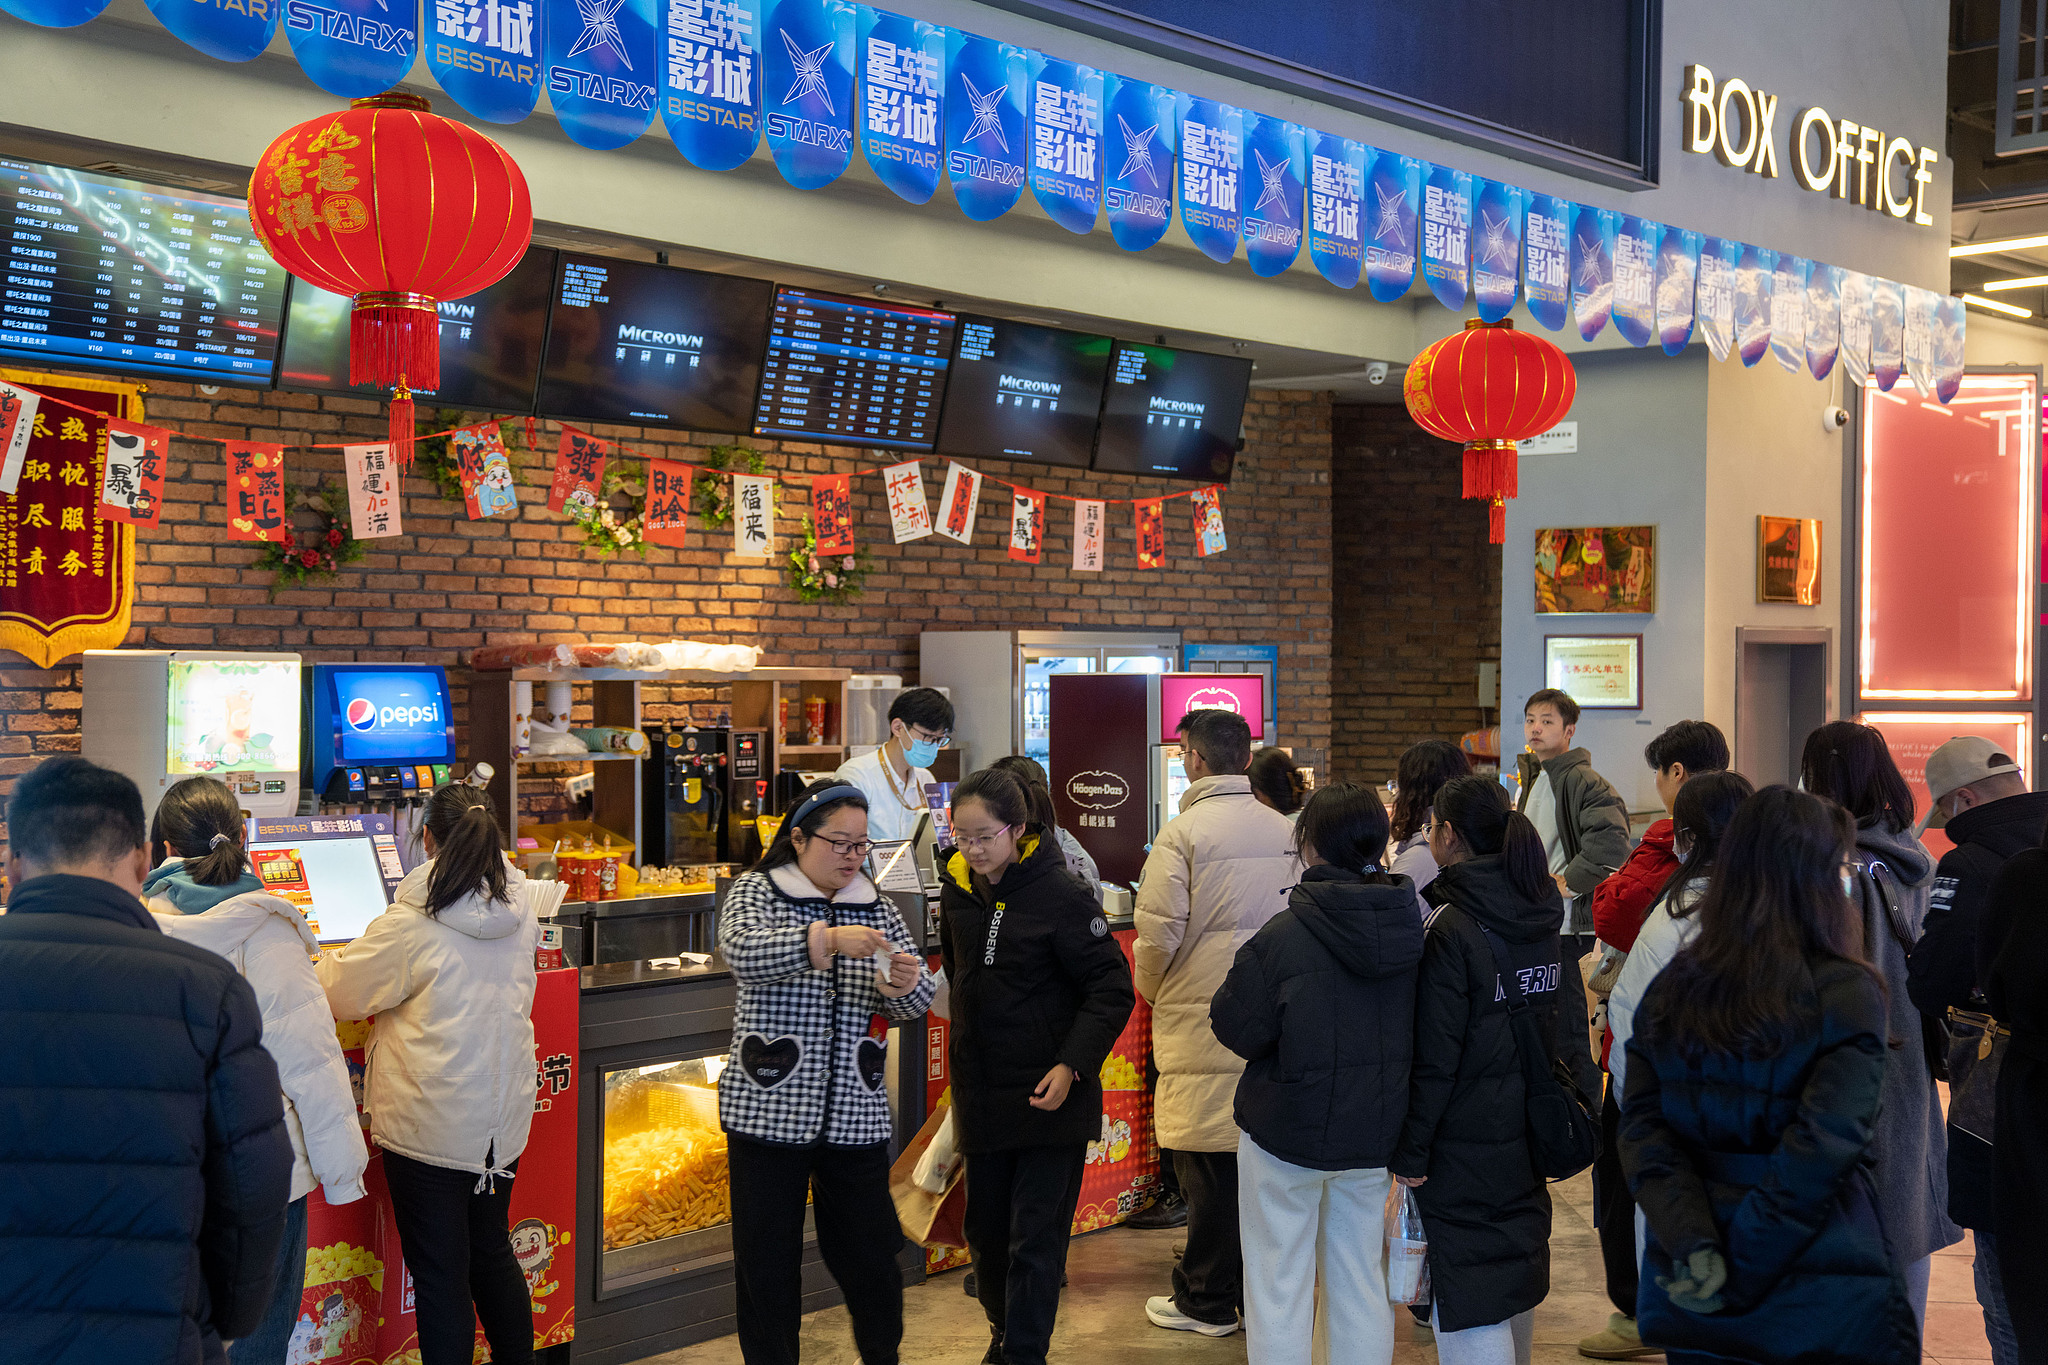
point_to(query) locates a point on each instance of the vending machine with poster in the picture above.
(162, 715)
(1116, 767)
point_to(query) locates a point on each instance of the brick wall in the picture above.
(450, 584)
(1416, 603)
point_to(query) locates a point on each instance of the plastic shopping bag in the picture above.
(1407, 1249)
(940, 1161)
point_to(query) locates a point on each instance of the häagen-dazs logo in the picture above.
(1213, 699)
(1098, 790)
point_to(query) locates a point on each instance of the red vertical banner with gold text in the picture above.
(666, 520)
(1151, 524)
(832, 513)
(256, 507)
(67, 578)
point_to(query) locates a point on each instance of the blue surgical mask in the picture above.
(920, 753)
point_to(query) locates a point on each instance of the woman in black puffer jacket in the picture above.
(1464, 1145)
(1321, 1005)
(1754, 1078)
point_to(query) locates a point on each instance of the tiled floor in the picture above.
(1102, 1317)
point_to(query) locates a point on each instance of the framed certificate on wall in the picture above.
(1599, 672)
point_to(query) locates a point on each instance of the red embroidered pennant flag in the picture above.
(1151, 520)
(132, 488)
(486, 471)
(832, 513)
(256, 500)
(667, 518)
(1209, 537)
(579, 474)
(1027, 525)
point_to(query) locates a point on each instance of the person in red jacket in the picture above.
(1620, 905)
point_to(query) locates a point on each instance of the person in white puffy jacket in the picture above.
(448, 972)
(204, 893)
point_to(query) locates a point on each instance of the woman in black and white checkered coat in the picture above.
(802, 1099)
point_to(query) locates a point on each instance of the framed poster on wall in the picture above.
(1788, 560)
(1596, 569)
(1599, 672)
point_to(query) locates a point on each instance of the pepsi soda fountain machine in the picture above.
(377, 732)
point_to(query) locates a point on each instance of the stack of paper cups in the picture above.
(522, 717)
(559, 697)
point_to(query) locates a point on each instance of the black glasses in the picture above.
(855, 848)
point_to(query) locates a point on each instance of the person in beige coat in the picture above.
(1217, 872)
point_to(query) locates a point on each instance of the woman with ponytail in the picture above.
(1464, 1146)
(1278, 781)
(203, 892)
(448, 973)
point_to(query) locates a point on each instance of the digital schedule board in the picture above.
(653, 344)
(491, 341)
(854, 372)
(1172, 413)
(1023, 392)
(104, 273)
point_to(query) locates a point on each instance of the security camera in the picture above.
(1833, 419)
(1376, 373)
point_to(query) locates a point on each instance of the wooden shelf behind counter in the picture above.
(614, 700)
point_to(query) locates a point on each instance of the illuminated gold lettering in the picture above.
(1866, 161)
(1893, 150)
(1700, 122)
(1765, 162)
(1736, 87)
(1802, 165)
(1922, 178)
(1845, 152)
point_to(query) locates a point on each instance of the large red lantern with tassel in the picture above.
(1488, 387)
(400, 209)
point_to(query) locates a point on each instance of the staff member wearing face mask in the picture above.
(893, 776)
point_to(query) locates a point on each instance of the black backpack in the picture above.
(1564, 1129)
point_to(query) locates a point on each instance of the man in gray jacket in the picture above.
(1582, 818)
(1217, 872)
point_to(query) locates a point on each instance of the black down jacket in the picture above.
(1485, 1209)
(1321, 1005)
(1767, 1160)
(144, 1166)
(1036, 980)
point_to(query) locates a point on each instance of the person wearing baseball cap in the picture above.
(1981, 802)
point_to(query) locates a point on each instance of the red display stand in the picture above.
(357, 1308)
(1123, 1164)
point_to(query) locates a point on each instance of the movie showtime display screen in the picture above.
(1172, 413)
(491, 341)
(1023, 392)
(117, 275)
(853, 372)
(653, 344)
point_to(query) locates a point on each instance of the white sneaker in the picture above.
(1160, 1311)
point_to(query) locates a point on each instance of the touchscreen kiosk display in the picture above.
(338, 884)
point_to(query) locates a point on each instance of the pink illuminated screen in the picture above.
(1947, 559)
(1913, 735)
(1180, 693)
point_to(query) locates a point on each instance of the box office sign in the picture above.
(1739, 126)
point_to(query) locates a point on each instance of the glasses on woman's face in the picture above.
(976, 843)
(846, 848)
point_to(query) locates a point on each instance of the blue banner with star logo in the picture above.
(54, 13)
(1276, 160)
(1887, 332)
(1140, 136)
(354, 48)
(236, 31)
(1714, 295)
(1497, 212)
(1447, 234)
(711, 82)
(902, 66)
(1547, 259)
(1788, 312)
(1678, 273)
(1066, 141)
(1592, 245)
(1393, 231)
(1211, 174)
(1824, 319)
(1635, 278)
(601, 68)
(1950, 321)
(807, 98)
(984, 115)
(1336, 187)
(1755, 277)
(485, 55)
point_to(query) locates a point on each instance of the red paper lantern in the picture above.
(1488, 387)
(398, 208)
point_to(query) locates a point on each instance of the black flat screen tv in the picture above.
(1170, 413)
(1019, 391)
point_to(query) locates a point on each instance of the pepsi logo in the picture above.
(362, 714)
